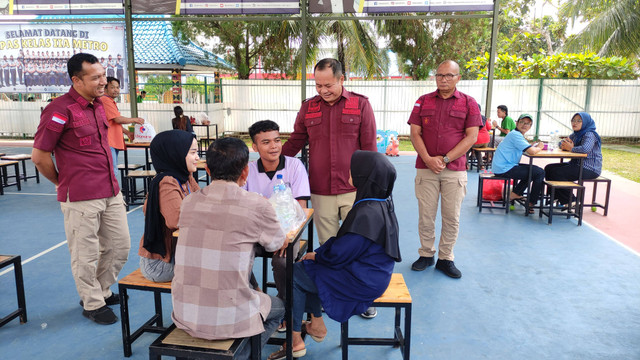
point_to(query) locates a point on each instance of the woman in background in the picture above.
(584, 140)
(181, 121)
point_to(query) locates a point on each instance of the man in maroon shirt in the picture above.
(336, 123)
(74, 126)
(444, 125)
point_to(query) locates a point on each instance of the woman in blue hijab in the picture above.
(584, 140)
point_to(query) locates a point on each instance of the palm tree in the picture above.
(357, 48)
(614, 28)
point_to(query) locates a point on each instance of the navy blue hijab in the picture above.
(168, 152)
(588, 125)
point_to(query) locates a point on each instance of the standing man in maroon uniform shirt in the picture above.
(74, 127)
(444, 125)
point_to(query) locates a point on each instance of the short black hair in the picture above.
(177, 110)
(111, 78)
(262, 126)
(504, 108)
(143, 92)
(74, 64)
(226, 158)
(334, 64)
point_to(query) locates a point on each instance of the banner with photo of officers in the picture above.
(33, 58)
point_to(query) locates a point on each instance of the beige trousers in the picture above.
(98, 238)
(328, 210)
(450, 187)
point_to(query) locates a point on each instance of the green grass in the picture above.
(623, 163)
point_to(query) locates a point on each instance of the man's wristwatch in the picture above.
(446, 159)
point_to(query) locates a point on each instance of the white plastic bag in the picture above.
(202, 119)
(144, 133)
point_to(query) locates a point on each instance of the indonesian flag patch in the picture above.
(57, 122)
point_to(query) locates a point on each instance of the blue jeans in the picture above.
(156, 269)
(521, 173)
(270, 325)
(305, 296)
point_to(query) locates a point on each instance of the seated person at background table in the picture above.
(181, 121)
(506, 161)
(584, 140)
(174, 154)
(505, 127)
(220, 225)
(483, 138)
(263, 172)
(348, 272)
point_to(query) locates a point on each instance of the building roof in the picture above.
(155, 47)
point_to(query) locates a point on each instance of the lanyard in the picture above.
(369, 199)
(188, 189)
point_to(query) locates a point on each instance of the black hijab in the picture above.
(168, 152)
(372, 214)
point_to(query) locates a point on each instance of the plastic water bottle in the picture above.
(282, 201)
(553, 141)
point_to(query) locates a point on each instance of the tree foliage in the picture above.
(422, 44)
(613, 29)
(578, 66)
(157, 85)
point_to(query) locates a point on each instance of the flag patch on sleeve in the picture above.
(57, 122)
(60, 119)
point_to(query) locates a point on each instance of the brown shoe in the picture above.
(282, 354)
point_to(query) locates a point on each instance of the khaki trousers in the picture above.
(450, 187)
(328, 210)
(98, 238)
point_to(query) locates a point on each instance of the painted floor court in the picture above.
(528, 290)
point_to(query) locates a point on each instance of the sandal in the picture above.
(282, 353)
(315, 338)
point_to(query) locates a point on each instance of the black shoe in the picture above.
(448, 268)
(422, 263)
(370, 313)
(114, 299)
(102, 316)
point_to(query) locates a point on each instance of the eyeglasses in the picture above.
(446, 76)
(575, 121)
(524, 123)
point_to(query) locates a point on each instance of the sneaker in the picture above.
(422, 263)
(448, 268)
(114, 299)
(102, 316)
(370, 313)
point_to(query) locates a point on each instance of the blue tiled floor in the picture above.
(528, 290)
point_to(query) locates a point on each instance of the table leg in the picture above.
(17, 168)
(288, 316)
(526, 205)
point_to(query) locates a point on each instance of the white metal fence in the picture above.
(614, 105)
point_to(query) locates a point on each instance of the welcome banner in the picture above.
(34, 57)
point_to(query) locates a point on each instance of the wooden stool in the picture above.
(176, 342)
(595, 190)
(132, 193)
(396, 296)
(136, 281)
(23, 158)
(6, 260)
(549, 208)
(4, 181)
(506, 192)
(124, 172)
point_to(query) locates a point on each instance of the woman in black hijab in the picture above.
(174, 154)
(348, 272)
